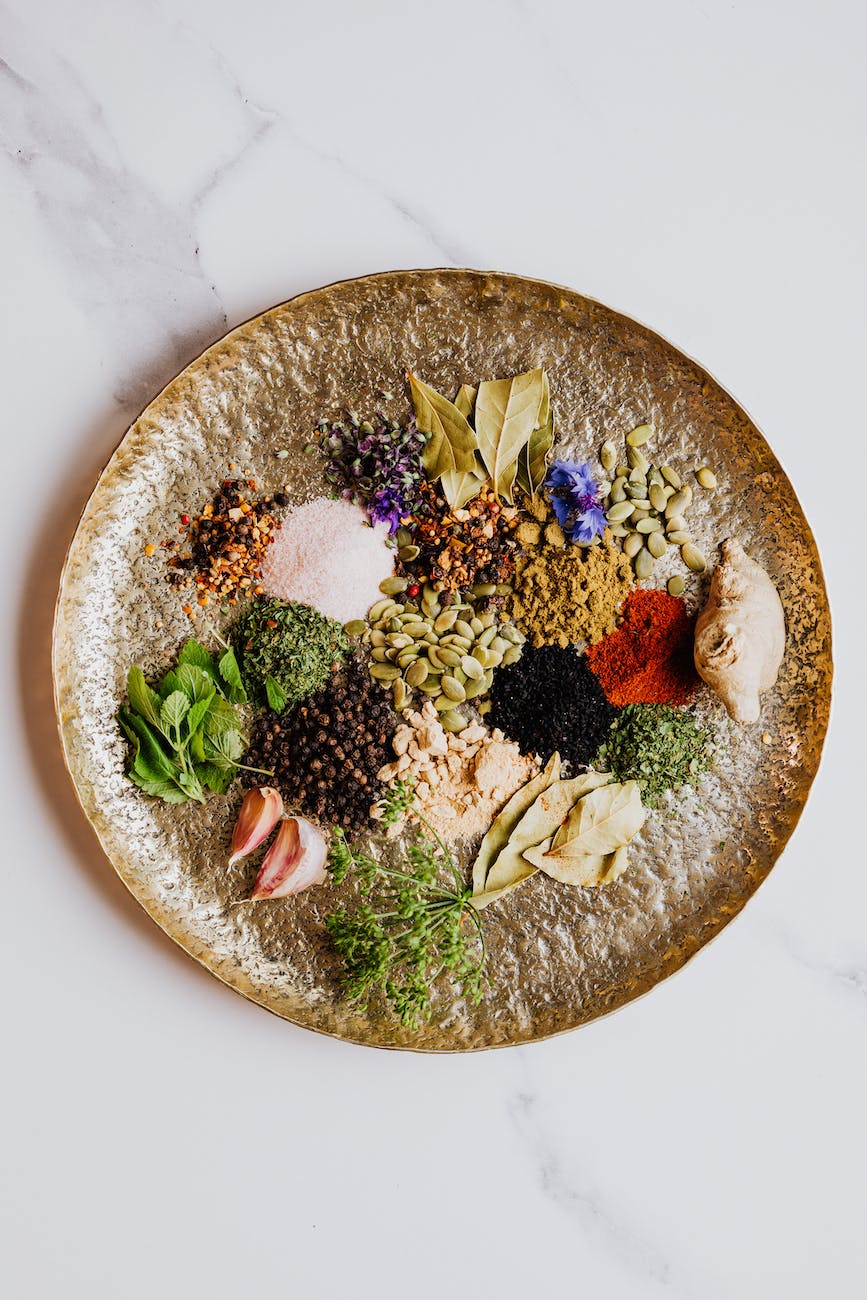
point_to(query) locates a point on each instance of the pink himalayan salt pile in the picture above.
(327, 555)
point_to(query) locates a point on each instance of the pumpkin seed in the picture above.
(639, 436)
(403, 536)
(449, 656)
(636, 490)
(499, 645)
(487, 636)
(693, 558)
(650, 525)
(487, 618)
(407, 657)
(430, 609)
(620, 512)
(417, 630)
(462, 643)
(608, 456)
(376, 611)
(513, 654)
(393, 586)
(678, 536)
(433, 657)
(443, 704)
(399, 640)
(676, 585)
(379, 654)
(643, 564)
(676, 504)
(417, 673)
(618, 491)
(378, 637)
(636, 476)
(355, 627)
(484, 589)
(706, 477)
(637, 461)
(451, 720)
(462, 628)
(495, 658)
(400, 693)
(657, 545)
(622, 471)
(476, 687)
(384, 672)
(510, 633)
(504, 588)
(638, 514)
(430, 686)
(409, 553)
(655, 476)
(472, 668)
(671, 476)
(481, 655)
(445, 620)
(675, 524)
(477, 625)
(658, 498)
(452, 689)
(641, 503)
(633, 545)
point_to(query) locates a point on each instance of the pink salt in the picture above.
(327, 555)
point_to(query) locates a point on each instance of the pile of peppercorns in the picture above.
(458, 548)
(227, 543)
(326, 753)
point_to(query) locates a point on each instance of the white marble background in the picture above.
(169, 169)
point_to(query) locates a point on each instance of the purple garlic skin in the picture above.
(295, 860)
(259, 813)
(740, 634)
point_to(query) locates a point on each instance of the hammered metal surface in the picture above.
(558, 956)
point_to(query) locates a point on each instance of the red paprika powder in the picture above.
(647, 659)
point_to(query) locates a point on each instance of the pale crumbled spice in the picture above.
(566, 594)
(461, 780)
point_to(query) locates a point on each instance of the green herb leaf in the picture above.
(507, 412)
(149, 758)
(231, 675)
(533, 459)
(451, 443)
(198, 713)
(197, 655)
(217, 779)
(142, 699)
(275, 695)
(168, 791)
(175, 708)
(224, 749)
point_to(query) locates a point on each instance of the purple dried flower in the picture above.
(574, 496)
(379, 463)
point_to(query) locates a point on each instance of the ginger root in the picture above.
(740, 634)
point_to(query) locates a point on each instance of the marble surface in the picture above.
(169, 170)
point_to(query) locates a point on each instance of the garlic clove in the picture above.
(258, 815)
(294, 861)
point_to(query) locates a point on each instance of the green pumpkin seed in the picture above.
(676, 585)
(657, 545)
(638, 514)
(706, 477)
(676, 504)
(472, 668)
(650, 525)
(462, 628)
(476, 687)
(678, 536)
(671, 476)
(418, 631)
(400, 693)
(639, 436)
(393, 586)
(399, 640)
(487, 636)
(636, 491)
(636, 476)
(675, 524)
(487, 618)
(509, 632)
(477, 625)
(417, 673)
(622, 471)
(453, 721)
(618, 491)
(409, 553)
(633, 545)
(504, 589)
(643, 565)
(446, 620)
(378, 637)
(452, 688)
(658, 498)
(513, 654)
(384, 672)
(637, 461)
(379, 654)
(499, 645)
(693, 558)
(355, 627)
(484, 589)
(655, 476)
(403, 536)
(449, 656)
(406, 658)
(376, 611)
(495, 658)
(620, 512)
(433, 657)
(640, 503)
(608, 456)
(481, 655)
(443, 704)
(430, 686)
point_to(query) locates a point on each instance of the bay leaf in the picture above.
(451, 443)
(507, 819)
(601, 822)
(539, 822)
(488, 896)
(589, 870)
(466, 399)
(533, 460)
(507, 412)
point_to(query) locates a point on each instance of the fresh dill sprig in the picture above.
(413, 927)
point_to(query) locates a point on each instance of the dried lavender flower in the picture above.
(376, 463)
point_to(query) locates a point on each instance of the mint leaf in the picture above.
(198, 712)
(231, 675)
(217, 779)
(277, 699)
(142, 698)
(175, 708)
(196, 655)
(165, 790)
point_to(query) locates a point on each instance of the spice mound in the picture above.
(461, 779)
(328, 556)
(550, 700)
(227, 543)
(659, 747)
(462, 547)
(377, 464)
(648, 659)
(287, 651)
(327, 752)
(569, 593)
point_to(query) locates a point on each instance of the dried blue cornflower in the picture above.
(574, 496)
(377, 464)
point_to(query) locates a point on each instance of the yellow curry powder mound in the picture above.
(569, 593)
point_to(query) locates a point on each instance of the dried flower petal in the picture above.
(258, 815)
(295, 860)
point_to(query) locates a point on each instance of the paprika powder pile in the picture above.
(647, 659)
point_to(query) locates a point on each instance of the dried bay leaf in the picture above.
(507, 412)
(538, 823)
(602, 822)
(505, 822)
(460, 486)
(533, 460)
(466, 400)
(589, 870)
(451, 444)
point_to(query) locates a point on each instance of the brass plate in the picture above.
(559, 956)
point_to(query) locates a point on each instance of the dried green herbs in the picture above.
(287, 651)
(659, 747)
(185, 734)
